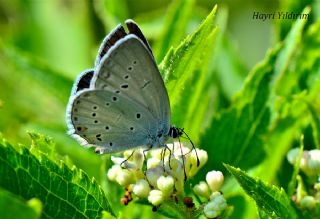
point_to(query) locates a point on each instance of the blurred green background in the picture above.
(45, 44)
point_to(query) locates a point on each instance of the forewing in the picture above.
(109, 41)
(108, 120)
(82, 81)
(129, 70)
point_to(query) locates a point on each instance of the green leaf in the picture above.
(64, 192)
(292, 184)
(179, 63)
(52, 80)
(236, 134)
(289, 113)
(13, 206)
(174, 27)
(269, 199)
(172, 209)
(285, 81)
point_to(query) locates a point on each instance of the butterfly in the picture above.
(122, 103)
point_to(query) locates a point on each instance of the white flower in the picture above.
(152, 162)
(123, 162)
(155, 197)
(209, 211)
(113, 172)
(292, 155)
(202, 189)
(177, 172)
(216, 205)
(202, 155)
(138, 158)
(156, 153)
(125, 177)
(214, 180)
(153, 175)
(141, 188)
(165, 184)
(314, 161)
(308, 202)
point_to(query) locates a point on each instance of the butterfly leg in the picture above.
(146, 150)
(183, 160)
(170, 154)
(127, 159)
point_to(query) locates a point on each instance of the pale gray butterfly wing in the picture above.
(109, 120)
(118, 33)
(130, 70)
(127, 72)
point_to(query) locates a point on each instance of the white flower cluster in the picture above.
(309, 163)
(210, 190)
(164, 174)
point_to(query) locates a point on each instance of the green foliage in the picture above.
(64, 192)
(181, 69)
(270, 199)
(11, 206)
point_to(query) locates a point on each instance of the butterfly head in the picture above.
(175, 132)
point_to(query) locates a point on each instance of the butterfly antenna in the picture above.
(193, 147)
(183, 163)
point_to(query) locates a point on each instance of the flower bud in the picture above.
(156, 153)
(308, 202)
(123, 162)
(113, 172)
(165, 184)
(202, 189)
(203, 158)
(218, 200)
(292, 155)
(214, 180)
(313, 162)
(216, 205)
(141, 188)
(153, 162)
(209, 211)
(153, 175)
(155, 197)
(138, 159)
(125, 177)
